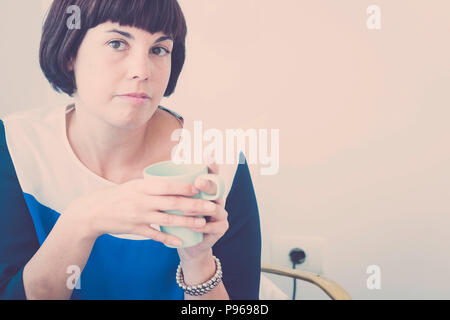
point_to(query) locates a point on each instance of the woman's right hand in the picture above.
(131, 208)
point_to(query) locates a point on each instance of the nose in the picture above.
(140, 67)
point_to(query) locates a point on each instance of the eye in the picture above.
(160, 51)
(115, 42)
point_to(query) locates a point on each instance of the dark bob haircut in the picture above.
(59, 44)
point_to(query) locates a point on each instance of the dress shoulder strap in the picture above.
(173, 113)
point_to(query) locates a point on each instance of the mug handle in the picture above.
(218, 180)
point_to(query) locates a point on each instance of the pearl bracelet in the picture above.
(203, 288)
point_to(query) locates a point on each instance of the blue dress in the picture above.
(40, 175)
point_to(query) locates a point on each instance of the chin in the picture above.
(131, 118)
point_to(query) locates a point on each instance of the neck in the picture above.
(110, 152)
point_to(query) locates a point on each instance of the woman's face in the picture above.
(110, 64)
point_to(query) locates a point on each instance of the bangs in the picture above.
(60, 44)
(152, 16)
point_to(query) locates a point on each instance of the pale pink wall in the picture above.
(363, 118)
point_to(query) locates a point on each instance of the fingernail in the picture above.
(200, 222)
(210, 206)
(176, 243)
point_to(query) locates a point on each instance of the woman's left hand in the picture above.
(212, 230)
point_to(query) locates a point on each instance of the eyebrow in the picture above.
(130, 36)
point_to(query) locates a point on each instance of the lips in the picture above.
(137, 95)
(135, 100)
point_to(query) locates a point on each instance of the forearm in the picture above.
(196, 272)
(46, 275)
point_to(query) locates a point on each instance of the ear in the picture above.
(70, 65)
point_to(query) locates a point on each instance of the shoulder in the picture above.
(237, 178)
(7, 168)
(174, 117)
(3, 143)
(164, 122)
(30, 141)
(6, 163)
(33, 114)
(30, 125)
(159, 135)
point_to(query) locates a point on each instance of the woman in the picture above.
(72, 188)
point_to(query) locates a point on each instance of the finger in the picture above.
(186, 205)
(218, 227)
(205, 185)
(213, 167)
(158, 186)
(219, 215)
(156, 235)
(173, 220)
(220, 202)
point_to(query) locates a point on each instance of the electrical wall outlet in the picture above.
(314, 248)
